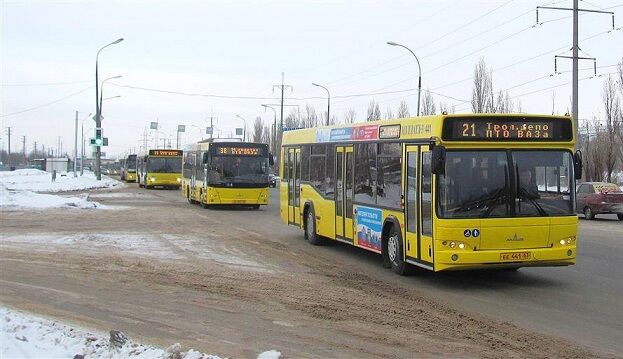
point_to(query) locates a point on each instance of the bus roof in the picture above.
(445, 128)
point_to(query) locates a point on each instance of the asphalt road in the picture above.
(101, 286)
(582, 303)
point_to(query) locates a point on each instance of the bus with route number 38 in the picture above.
(226, 172)
(445, 192)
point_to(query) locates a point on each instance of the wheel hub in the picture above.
(392, 248)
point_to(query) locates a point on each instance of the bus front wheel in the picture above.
(310, 228)
(395, 252)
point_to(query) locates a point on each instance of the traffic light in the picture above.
(99, 138)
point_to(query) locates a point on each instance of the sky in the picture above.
(183, 62)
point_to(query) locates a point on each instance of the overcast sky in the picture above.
(240, 49)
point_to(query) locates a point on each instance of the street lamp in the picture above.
(328, 101)
(98, 119)
(244, 130)
(102, 89)
(82, 144)
(419, 86)
(274, 126)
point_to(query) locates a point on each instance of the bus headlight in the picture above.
(179, 180)
(152, 179)
(567, 241)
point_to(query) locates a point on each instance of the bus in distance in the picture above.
(444, 192)
(160, 168)
(226, 173)
(128, 169)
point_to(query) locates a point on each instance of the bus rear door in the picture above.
(293, 167)
(344, 192)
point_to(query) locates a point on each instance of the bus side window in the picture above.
(412, 191)
(426, 193)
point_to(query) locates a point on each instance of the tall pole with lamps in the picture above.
(98, 119)
(419, 84)
(328, 102)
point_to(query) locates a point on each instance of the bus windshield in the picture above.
(164, 164)
(239, 170)
(478, 184)
(130, 163)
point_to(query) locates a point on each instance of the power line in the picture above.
(192, 94)
(47, 104)
(47, 83)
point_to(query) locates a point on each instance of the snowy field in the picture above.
(19, 190)
(27, 336)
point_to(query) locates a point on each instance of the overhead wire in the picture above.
(46, 104)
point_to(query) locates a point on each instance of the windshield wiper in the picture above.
(524, 194)
(471, 204)
(491, 202)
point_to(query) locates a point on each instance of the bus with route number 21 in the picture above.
(226, 172)
(159, 168)
(444, 192)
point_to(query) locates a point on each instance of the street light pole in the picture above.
(419, 86)
(328, 102)
(98, 119)
(244, 130)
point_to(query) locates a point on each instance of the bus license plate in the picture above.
(515, 256)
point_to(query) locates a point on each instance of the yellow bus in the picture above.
(226, 173)
(442, 192)
(128, 169)
(160, 168)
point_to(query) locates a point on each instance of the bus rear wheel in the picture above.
(310, 229)
(394, 251)
(588, 213)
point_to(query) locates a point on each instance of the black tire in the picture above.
(589, 214)
(395, 253)
(310, 229)
(255, 206)
(190, 200)
(620, 216)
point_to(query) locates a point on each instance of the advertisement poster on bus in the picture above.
(369, 227)
(367, 132)
(341, 134)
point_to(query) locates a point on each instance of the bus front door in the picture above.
(344, 192)
(294, 185)
(418, 206)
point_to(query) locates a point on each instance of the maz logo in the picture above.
(514, 239)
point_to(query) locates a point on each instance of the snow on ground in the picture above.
(18, 190)
(144, 245)
(41, 181)
(26, 336)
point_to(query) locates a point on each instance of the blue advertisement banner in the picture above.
(341, 134)
(369, 227)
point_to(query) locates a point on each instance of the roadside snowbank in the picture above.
(27, 336)
(28, 199)
(41, 181)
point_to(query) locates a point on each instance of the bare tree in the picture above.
(266, 136)
(258, 129)
(443, 107)
(310, 118)
(482, 92)
(403, 110)
(292, 120)
(428, 104)
(374, 111)
(389, 113)
(503, 104)
(612, 112)
(349, 116)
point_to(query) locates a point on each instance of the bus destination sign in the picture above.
(506, 129)
(238, 151)
(165, 153)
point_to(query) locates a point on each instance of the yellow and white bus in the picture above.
(160, 168)
(128, 169)
(440, 192)
(226, 173)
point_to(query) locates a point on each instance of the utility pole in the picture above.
(9, 159)
(575, 57)
(35, 149)
(282, 88)
(24, 149)
(76, 147)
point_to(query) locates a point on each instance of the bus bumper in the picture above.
(130, 177)
(243, 196)
(491, 259)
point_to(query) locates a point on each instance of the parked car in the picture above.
(593, 198)
(272, 180)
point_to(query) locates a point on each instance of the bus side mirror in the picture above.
(438, 160)
(271, 159)
(205, 158)
(577, 164)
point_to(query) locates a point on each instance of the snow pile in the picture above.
(26, 336)
(41, 181)
(29, 199)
